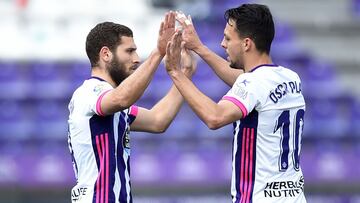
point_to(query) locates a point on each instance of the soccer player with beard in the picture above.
(265, 105)
(102, 110)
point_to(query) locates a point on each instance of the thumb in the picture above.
(189, 18)
(182, 45)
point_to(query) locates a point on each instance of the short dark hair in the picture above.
(104, 34)
(255, 22)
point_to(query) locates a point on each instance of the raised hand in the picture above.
(166, 31)
(188, 61)
(190, 36)
(173, 53)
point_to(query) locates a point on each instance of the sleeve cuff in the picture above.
(134, 110)
(98, 104)
(237, 103)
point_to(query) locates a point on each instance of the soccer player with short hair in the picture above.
(102, 110)
(265, 105)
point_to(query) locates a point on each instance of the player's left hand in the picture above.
(188, 61)
(166, 31)
(173, 53)
(190, 36)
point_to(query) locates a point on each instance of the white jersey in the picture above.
(99, 146)
(267, 140)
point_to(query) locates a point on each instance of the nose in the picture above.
(136, 58)
(223, 43)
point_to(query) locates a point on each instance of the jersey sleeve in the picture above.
(244, 94)
(97, 92)
(132, 113)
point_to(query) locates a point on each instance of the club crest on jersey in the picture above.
(98, 89)
(239, 89)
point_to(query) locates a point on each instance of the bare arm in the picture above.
(131, 89)
(219, 65)
(192, 41)
(158, 118)
(212, 114)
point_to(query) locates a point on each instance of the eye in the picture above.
(130, 51)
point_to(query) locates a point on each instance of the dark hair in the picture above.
(104, 34)
(255, 22)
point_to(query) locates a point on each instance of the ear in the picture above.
(105, 54)
(247, 44)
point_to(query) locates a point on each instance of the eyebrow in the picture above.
(131, 49)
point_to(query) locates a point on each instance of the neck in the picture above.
(256, 60)
(101, 73)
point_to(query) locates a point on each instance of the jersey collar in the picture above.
(94, 77)
(271, 65)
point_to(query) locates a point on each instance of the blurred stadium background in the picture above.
(43, 59)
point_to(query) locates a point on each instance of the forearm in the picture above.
(167, 108)
(219, 65)
(135, 85)
(203, 106)
(131, 89)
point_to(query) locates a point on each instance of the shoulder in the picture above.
(287, 72)
(244, 79)
(275, 73)
(93, 87)
(96, 86)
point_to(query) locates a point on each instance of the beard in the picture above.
(117, 70)
(236, 65)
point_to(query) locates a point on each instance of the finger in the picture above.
(182, 44)
(178, 39)
(172, 19)
(180, 17)
(161, 28)
(166, 19)
(190, 19)
(174, 36)
(182, 47)
(172, 42)
(168, 48)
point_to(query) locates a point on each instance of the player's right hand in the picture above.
(189, 35)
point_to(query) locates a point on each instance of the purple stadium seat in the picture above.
(14, 120)
(50, 119)
(321, 76)
(47, 80)
(12, 84)
(204, 72)
(283, 32)
(356, 7)
(183, 125)
(355, 118)
(324, 118)
(77, 72)
(219, 7)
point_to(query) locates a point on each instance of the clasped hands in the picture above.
(179, 56)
